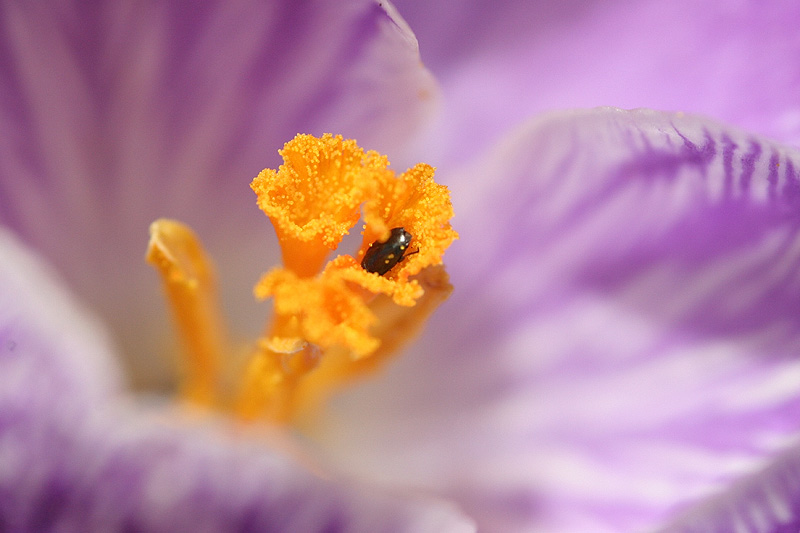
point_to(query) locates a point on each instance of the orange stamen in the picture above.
(332, 322)
(188, 279)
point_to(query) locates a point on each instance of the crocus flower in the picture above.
(619, 350)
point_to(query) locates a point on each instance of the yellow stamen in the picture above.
(396, 326)
(324, 311)
(270, 381)
(413, 201)
(188, 280)
(332, 322)
(314, 198)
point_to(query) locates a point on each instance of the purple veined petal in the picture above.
(129, 473)
(500, 63)
(752, 504)
(74, 457)
(114, 114)
(622, 342)
(39, 321)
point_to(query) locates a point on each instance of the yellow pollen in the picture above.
(332, 322)
(314, 198)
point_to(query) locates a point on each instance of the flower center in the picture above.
(333, 322)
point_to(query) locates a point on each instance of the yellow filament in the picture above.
(270, 382)
(323, 310)
(396, 326)
(188, 281)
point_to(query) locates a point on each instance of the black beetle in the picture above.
(382, 256)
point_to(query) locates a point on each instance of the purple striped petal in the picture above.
(74, 458)
(500, 63)
(113, 114)
(764, 501)
(38, 322)
(622, 342)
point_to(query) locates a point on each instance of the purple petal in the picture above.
(39, 321)
(500, 63)
(622, 340)
(72, 458)
(114, 114)
(765, 501)
(135, 474)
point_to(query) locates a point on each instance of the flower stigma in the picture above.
(332, 322)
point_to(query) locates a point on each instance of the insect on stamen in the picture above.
(381, 257)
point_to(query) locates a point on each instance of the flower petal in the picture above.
(73, 459)
(764, 501)
(137, 474)
(622, 337)
(737, 61)
(115, 114)
(46, 338)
